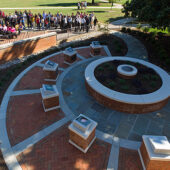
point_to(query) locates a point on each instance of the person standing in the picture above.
(78, 5)
(87, 23)
(95, 22)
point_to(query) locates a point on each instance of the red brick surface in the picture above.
(32, 80)
(25, 117)
(85, 52)
(55, 153)
(129, 160)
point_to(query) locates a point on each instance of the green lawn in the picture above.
(48, 3)
(103, 15)
(42, 3)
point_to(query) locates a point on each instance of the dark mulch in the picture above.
(2, 162)
(116, 45)
(146, 81)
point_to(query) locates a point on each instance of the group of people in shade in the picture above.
(18, 21)
(82, 5)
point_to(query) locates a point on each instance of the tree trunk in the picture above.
(92, 1)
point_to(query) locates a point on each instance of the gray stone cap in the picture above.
(82, 134)
(157, 96)
(152, 155)
(48, 67)
(47, 94)
(127, 73)
(95, 46)
(27, 39)
(70, 53)
(160, 144)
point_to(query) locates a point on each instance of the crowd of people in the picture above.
(82, 5)
(18, 21)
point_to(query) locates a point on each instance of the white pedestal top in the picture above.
(48, 91)
(160, 144)
(152, 144)
(50, 66)
(95, 44)
(69, 51)
(84, 134)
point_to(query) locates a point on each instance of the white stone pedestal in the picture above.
(82, 132)
(155, 152)
(95, 48)
(70, 56)
(50, 71)
(50, 97)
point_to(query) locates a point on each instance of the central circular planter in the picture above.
(126, 70)
(122, 101)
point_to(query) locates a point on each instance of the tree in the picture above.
(92, 1)
(155, 12)
(112, 1)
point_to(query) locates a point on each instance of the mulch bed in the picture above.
(116, 45)
(2, 162)
(146, 81)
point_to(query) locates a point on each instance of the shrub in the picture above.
(110, 68)
(112, 84)
(128, 30)
(106, 65)
(154, 77)
(146, 77)
(145, 29)
(18, 66)
(139, 26)
(153, 84)
(123, 29)
(118, 49)
(125, 87)
(4, 79)
(9, 74)
(100, 69)
(122, 81)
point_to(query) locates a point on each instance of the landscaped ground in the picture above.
(39, 140)
(146, 81)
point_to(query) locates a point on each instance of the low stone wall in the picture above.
(26, 47)
(125, 107)
(141, 103)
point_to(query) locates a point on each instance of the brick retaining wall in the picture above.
(26, 47)
(125, 107)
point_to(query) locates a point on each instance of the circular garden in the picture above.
(145, 81)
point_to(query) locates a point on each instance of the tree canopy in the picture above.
(155, 12)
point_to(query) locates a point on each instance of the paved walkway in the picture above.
(124, 22)
(31, 139)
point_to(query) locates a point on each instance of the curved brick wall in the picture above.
(26, 47)
(125, 107)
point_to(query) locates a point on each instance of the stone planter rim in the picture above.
(161, 94)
